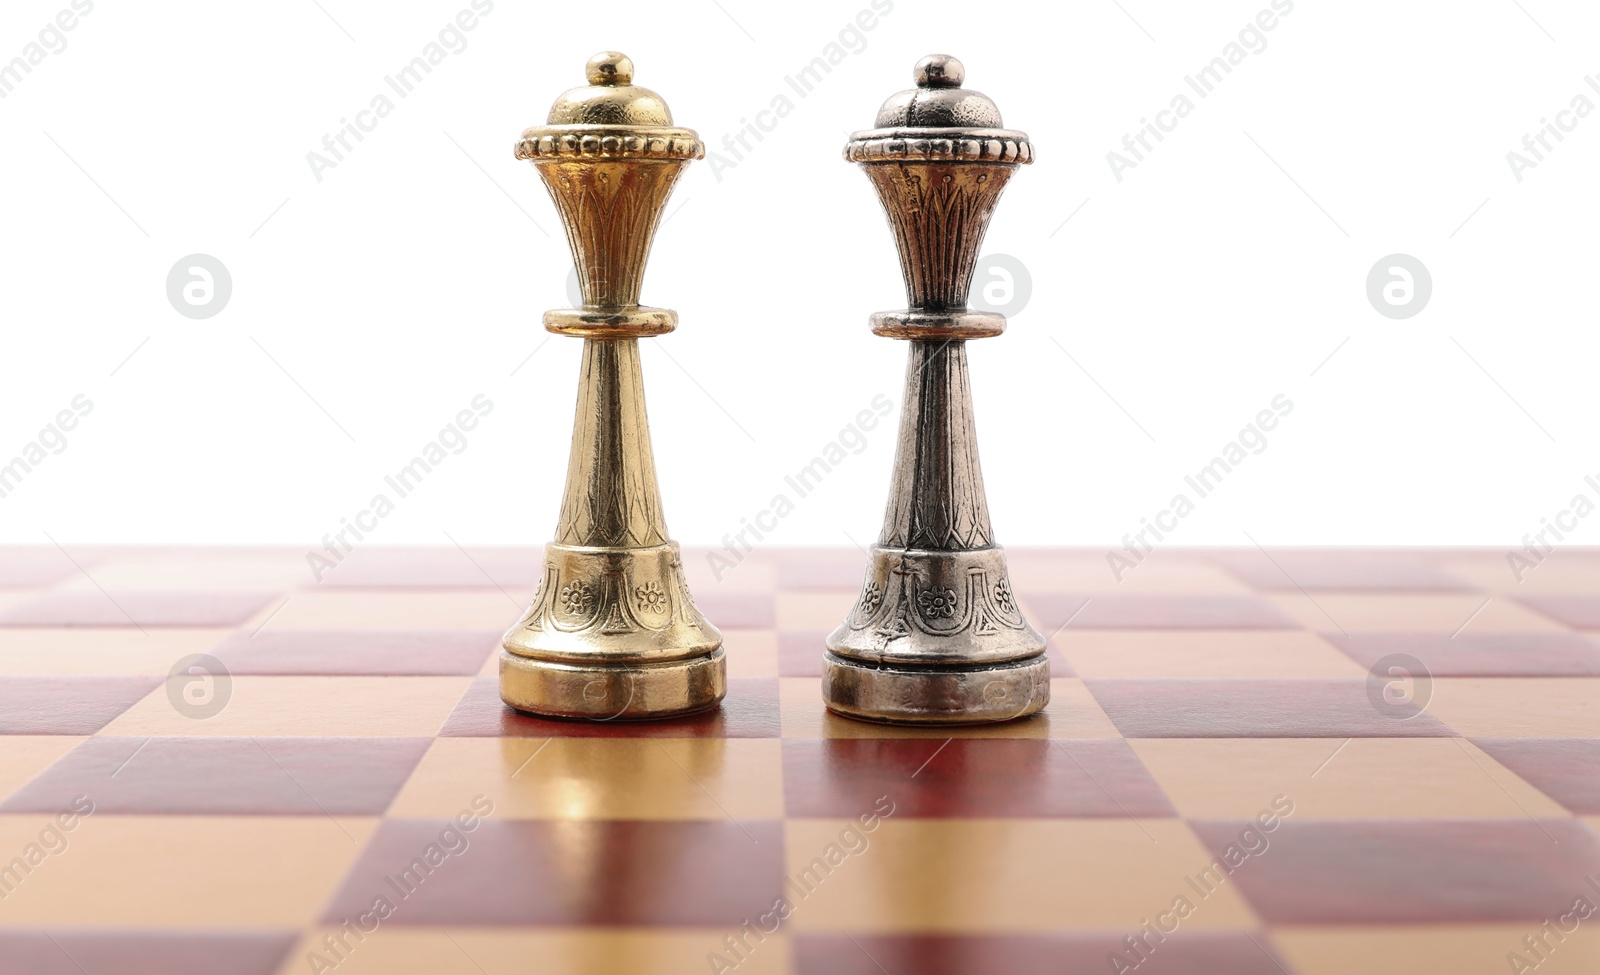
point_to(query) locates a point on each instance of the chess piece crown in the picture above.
(612, 632)
(936, 635)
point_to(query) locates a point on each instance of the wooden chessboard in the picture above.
(361, 758)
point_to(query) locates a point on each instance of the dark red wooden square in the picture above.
(572, 872)
(1565, 769)
(218, 776)
(67, 705)
(1393, 871)
(974, 778)
(1579, 612)
(68, 952)
(358, 652)
(1181, 953)
(1479, 654)
(1285, 708)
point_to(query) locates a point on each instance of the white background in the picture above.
(412, 276)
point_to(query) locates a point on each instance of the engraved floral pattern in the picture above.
(650, 598)
(937, 603)
(1002, 596)
(871, 597)
(577, 597)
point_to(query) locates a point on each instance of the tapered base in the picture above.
(612, 635)
(936, 637)
(935, 695)
(613, 692)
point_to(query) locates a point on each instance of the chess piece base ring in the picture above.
(935, 695)
(613, 692)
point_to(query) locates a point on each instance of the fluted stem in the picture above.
(936, 498)
(611, 497)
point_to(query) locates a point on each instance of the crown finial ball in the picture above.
(939, 71)
(610, 68)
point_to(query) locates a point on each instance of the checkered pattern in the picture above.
(363, 723)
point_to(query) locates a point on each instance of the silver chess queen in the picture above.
(936, 635)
